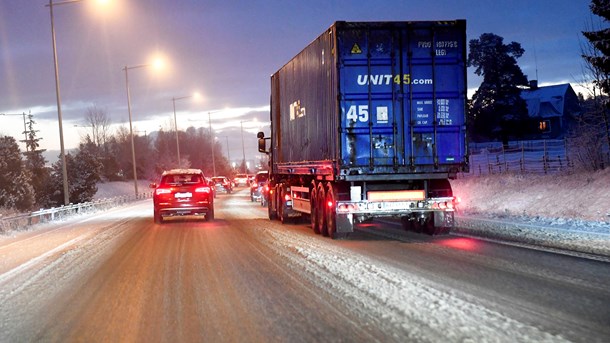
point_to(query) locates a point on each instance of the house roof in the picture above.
(547, 101)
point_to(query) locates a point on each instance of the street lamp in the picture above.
(243, 149)
(133, 149)
(64, 169)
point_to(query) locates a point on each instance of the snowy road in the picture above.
(118, 277)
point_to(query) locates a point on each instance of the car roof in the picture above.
(182, 171)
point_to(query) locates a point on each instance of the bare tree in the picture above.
(99, 123)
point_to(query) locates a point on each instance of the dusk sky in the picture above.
(226, 51)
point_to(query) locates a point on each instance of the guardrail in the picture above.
(24, 220)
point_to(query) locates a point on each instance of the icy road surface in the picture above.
(118, 277)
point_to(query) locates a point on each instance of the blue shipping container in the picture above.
(374, 98)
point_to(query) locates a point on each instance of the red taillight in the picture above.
(266, 188)
(203, 190)
(287, 197)
(160, 191)
(329, 204)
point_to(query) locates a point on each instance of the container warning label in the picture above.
(356, 49)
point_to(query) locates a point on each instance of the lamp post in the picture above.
(176, 126)
(133, 149)
(64, 169)
(212, 141)
(243, 149)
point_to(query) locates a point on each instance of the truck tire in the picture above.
(329, 211)
(313, 216)
(282, 204)
(271, 205)
(321, 210)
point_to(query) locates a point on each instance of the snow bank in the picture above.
(583, 196)
(562, 211)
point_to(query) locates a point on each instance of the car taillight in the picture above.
(287, 197)
(160, 191)
(203, 190)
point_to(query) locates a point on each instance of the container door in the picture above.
(434, 94)
(370, 107)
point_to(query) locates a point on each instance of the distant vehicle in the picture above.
(211, 183)
(182, 192)
(369, 120)
(222, 184)
(257, 185)
(241, 179)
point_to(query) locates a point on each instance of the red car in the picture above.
(183, 192)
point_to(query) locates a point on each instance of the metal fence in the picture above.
(24, 220)
(539, 156)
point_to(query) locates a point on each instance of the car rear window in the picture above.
(182, 179)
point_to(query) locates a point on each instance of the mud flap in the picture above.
(345, 223)
(443, 221)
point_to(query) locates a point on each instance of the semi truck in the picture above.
(369, 121)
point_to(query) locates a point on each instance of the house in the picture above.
(552, 109)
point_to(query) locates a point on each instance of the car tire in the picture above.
(210, 215)
(157, 217)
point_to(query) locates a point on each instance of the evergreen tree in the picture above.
(597, 58)
(497, 111)
(35, 163)
(601, 42)
(83, 175)
(16, 192)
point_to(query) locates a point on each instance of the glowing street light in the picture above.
(64, 168)
(195, 95)
(158, 63)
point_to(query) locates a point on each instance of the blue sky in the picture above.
(226, 51)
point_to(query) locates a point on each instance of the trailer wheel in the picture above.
(407, 223)
(282, 204)
(321, 210)
(270, 204)
(428, 225)
(331, 213)
(313, 217)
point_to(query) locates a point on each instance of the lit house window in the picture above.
(544, 126)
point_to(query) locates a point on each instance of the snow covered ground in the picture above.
(563, 211)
